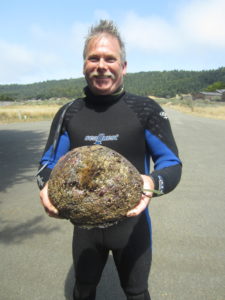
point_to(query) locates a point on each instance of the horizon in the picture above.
(82, 77)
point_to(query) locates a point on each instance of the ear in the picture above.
(124, 66)
(84, 68)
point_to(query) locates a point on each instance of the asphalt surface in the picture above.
(188, 224)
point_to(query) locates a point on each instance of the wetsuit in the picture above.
(139, 129)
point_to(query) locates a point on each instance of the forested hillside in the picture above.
(161, 84)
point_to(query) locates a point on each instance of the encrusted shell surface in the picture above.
(94, 186)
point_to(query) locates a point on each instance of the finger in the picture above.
(49, 208)
(52, 209)
(148, 185)
(140, 207)
(51, 213)
(45, 201)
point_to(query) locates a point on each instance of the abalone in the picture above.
(94, 186)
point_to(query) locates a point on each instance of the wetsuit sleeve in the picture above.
(50, 157)
(163, 150)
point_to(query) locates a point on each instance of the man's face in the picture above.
(103, 67)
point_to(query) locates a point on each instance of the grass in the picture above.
(215, 112)
(46, 110)
(26, 113)
(201, 108)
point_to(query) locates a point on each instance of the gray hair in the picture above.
(105, 27)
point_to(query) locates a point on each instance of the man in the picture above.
(137, 128)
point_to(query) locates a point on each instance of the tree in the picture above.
(219, 85)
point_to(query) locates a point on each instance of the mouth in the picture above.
(102, 76)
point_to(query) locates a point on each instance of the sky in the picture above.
(43, 39)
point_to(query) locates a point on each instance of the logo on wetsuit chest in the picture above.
(98, 139)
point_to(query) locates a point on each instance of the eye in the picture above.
(110, 59)
(93, 58)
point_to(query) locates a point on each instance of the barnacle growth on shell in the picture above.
(94, 186)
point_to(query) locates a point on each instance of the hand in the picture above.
(145, 198)
(45, 201)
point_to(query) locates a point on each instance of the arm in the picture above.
(50, 157)
(49, 160)
(161, 147)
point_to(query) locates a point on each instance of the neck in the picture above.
(103, 99)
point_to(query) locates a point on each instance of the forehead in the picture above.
(105, 43)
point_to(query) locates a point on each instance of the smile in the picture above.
(103, 76)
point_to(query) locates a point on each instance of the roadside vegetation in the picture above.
(46, 109)
(22, 113)
(215, 111)
(27, 111)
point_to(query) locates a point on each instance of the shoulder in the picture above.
(142, 102)
(71, 108)
(144, 107)
(74, 104)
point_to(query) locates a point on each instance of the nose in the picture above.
(102, 63)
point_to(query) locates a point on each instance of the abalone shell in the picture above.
(94, 186)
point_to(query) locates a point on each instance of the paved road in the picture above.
(188, 224)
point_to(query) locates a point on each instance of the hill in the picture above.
(155, 83)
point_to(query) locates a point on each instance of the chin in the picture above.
(100, 91)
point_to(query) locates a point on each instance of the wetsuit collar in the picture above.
(103, 99)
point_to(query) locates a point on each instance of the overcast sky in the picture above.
(43, 40)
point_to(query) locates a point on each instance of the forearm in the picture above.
(166, 179)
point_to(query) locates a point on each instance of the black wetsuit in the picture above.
(139, 129)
